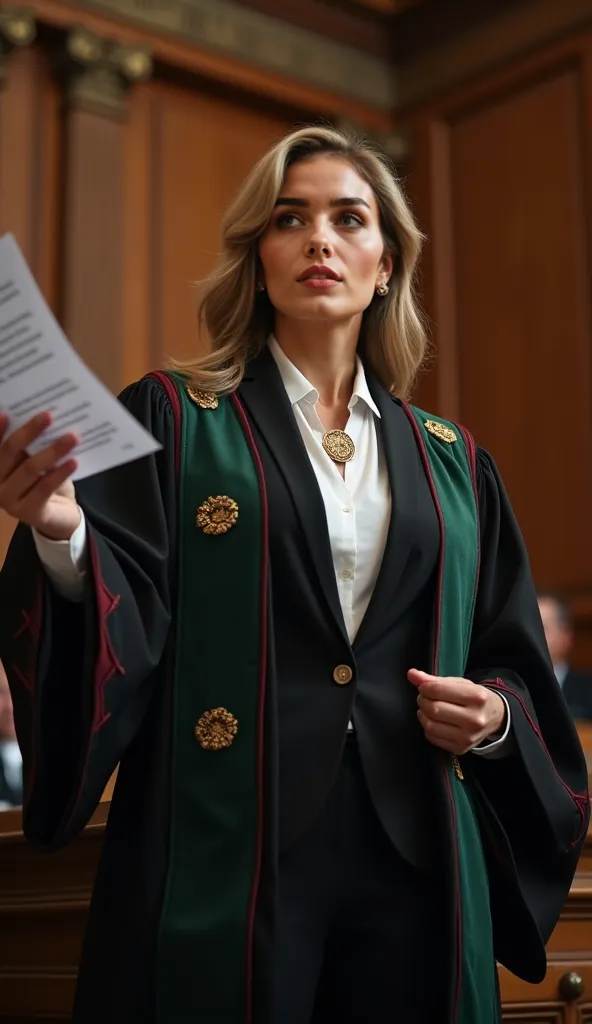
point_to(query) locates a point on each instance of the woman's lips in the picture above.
(319, 282)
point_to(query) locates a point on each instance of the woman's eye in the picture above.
(351, 220)
(287, 220)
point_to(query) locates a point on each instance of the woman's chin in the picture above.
(321, 308)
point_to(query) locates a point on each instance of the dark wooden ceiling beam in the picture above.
(363, 25)
(462, 54)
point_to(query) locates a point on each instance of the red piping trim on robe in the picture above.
(472, 454)
(106, 664)
(239, 409)
(581, 800)
(171, 392)
(438, 619)
(31, 623)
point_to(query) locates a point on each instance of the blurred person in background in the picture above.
(558, 626)
(11, 767)
(306, 628)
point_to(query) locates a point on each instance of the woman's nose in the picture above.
(318, 245)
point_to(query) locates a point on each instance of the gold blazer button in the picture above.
(342, 675)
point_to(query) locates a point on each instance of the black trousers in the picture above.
(361, 932)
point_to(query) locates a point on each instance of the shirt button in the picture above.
(346, 574)
(346, 508)
(342, 675)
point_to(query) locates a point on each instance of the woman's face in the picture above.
(322, 253)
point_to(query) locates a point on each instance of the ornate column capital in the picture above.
(17, 28)
(98, 72)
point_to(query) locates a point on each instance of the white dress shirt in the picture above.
(357, 506)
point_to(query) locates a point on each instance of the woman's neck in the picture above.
(324, 353)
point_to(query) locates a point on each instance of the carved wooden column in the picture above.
(17, 125)
(17, 28)
(97, 75)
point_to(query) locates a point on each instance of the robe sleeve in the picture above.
(539, 792)
(82, 674)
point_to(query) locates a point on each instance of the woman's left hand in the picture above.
(455, 713)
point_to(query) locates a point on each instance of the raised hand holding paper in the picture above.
(40, 371)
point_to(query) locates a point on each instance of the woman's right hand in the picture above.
(32, 487)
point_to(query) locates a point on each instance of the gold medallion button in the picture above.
(217, 515)
(342, 675)
(439, 430)
(205, 399)
(216, 729)
(339, 445)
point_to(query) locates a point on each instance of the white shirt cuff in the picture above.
(64, 561)
(501, 745)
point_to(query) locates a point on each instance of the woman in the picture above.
(307, 631)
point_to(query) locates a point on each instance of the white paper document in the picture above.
(40, 371)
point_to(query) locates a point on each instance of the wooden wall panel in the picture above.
(30, 167)
(139, 301)
(92, 307)
(30, 162)
(186, 152)
(501, 182)
(522, 312)
(202, 148)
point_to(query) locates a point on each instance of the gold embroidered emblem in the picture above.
(457, 768)
(216, 729)
(339, 445)
(439, 430)
(217, 515)
(205, 399)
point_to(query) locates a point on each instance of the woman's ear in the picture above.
(386, 266)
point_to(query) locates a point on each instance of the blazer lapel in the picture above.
(264, 395)
(403, 466)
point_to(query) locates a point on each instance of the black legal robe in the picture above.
(51, 658)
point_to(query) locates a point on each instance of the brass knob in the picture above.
(84, 47)
(571, 986)
(133, 62)
(17, 25)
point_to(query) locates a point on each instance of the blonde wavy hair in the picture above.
(235, 319)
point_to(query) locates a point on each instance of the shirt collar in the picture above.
(561, 669)
(298, 387)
